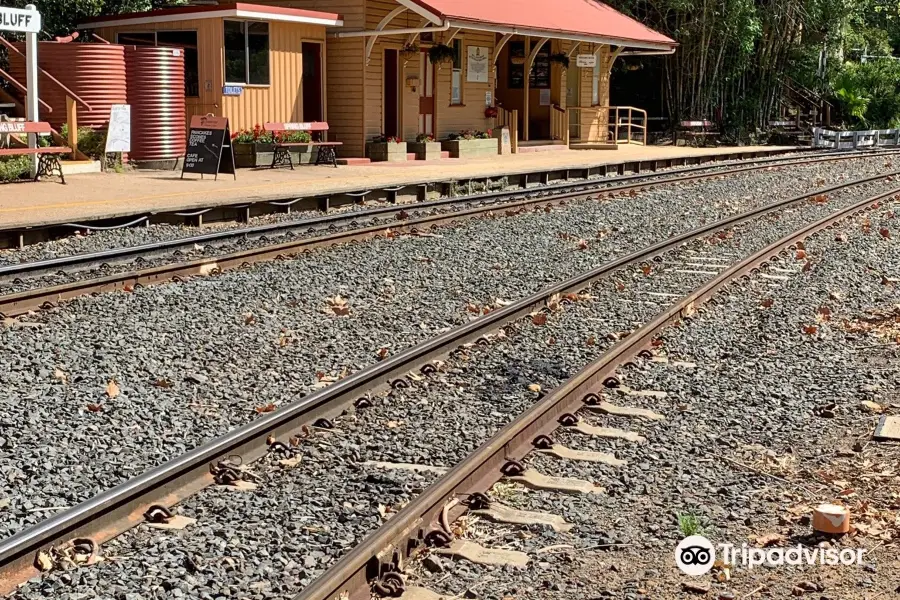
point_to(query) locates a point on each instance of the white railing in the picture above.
(844, 140)
(607, 124)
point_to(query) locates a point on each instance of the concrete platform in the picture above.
(93, 197)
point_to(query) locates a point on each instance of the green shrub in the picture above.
(16, 167)
(90, 141)
(870, 93)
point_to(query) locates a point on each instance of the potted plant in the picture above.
(256, 147)
(385, 148)
(491, 112)
(471, 144)
(560, 58)
(441, 53)
(425, 148)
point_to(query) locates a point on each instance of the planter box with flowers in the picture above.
(256, 147)
(425, 148)
(471, 144)
(386, 149)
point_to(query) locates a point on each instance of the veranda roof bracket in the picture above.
(574, 48)
(499, 47)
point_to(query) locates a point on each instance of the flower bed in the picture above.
(386, 149)
(425, 148)
(471, 144)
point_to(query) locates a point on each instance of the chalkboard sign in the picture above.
(209, 150)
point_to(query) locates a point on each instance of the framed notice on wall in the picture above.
(477, 65)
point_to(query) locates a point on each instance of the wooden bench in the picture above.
(696, 130)
(325, 156)
(48, 161)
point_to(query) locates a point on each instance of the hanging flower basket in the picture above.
(491, 112)
(561, 58)
(441, 53)
(409, 51)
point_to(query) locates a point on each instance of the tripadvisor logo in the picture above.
(696, 555)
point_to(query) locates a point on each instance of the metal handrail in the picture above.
(69, 92)
(22, 88)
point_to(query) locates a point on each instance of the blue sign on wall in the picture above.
(232, 90)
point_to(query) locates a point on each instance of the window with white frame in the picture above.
(595, 84)
(246, 52)
(456, 77)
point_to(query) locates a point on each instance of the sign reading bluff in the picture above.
(17, 19)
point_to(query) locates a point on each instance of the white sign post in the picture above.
(27, 21)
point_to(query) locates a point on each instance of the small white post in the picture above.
(31, 82)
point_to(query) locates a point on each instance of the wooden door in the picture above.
(426, 94)
(313, 97)
(391, 92)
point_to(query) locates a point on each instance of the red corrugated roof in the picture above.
(582, 17)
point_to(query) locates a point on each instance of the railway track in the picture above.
(161, 261)
(77, 532)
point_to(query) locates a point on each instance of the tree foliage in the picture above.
(734, 56)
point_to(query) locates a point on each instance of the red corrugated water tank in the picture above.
(156, 96)
(95, 72)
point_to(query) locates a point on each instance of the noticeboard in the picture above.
(209, 150)
(118, 137)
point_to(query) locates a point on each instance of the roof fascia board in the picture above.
(560, 35)
(213, 14)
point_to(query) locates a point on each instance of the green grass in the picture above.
(689, 525)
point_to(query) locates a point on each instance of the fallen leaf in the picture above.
(885, 233)
(128, 289)
(266, 408)
(807, 266)
(820, 198)
(840, 237)
(535, 387)
(801, 254)
(551, 341)
(801, 246)
(382, 354)
(767, 303)
(582, 244)
(872, 406)
(60, 376)
(645, 269)
(162, 383)
(394, 424)
(43, 561)
(768, 539)
(112, 388)
(539, 319)
(823, 314)
(473, 308)
(620, 286)
(290, 463)
(591, 341)
(810, 329)
(866, 226)
(249, 318)
(402, 215)
(95, 407)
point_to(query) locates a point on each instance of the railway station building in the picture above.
(401, 68)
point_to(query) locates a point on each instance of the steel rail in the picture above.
(151, 250)
(385, 550)
(122, 507)
(45, 297)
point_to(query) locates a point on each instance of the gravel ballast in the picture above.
(488, 388)
(748, 446)
(193, 360)
(86, 241)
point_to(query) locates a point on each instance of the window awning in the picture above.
(580, 20)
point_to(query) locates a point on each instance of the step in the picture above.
(353, 161)
(410, 156)
(79, 167)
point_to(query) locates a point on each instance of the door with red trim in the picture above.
(426, 94)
